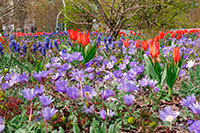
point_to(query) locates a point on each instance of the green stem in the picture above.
(170, 92)
(46, 128)
(106, 126)
(121, 51)
(81, 89)
(30, 111)
(170, 126)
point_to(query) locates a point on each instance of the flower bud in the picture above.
(131, 120)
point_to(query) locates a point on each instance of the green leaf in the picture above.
(61, 130)
(95, 125)
(112, 129)
(90, 54)
(164, 74)
(75, 126)
(92, 130)
(103, 129)
(20, 131)
(150, 69)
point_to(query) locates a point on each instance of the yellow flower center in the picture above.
(169, 118)
(119, 61)
(87, 94)
(87, 104)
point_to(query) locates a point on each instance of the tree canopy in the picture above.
(113, 15)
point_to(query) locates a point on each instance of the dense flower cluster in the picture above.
(94, 77)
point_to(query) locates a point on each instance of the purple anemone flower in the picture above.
(89, 92)
(152, 83)
(156, 89)
(29, 94)
(61, 86)
(76, 56)
(73, 92)
(2, 126)
(110, 64)
(40, 75)
(188, 101)
(144, 82)
(89, 109)
(78, 75)
(107, 93)
(45, 100)
(117, 73)
(128, 86)
(39, 91)
(128, 99)
(5, 85)
(168, 114)
(133, 64)
(194, 127)
(48, 113)
(181, 73)
(195, 107)
(91, 76)
(23, 78)
(108, 76)
(65, 56)
(102, 114)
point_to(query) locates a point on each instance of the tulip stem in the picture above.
(170, 92)
(30, 111)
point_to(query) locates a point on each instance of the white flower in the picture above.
(110, 113)
(190, 64)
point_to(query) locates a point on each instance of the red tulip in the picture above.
(178, 37)
(144, 45)
(73, 34)
(176, 54)
(156, 38)
(1, 40)
(154, 49)
(85, 39)
(162, 34)
(131, 32)
(126, 43)
(173, 35)
(137, 43)
(79, 37)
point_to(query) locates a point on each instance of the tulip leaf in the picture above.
(164, 74)
(150, 69)
(90, 54)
